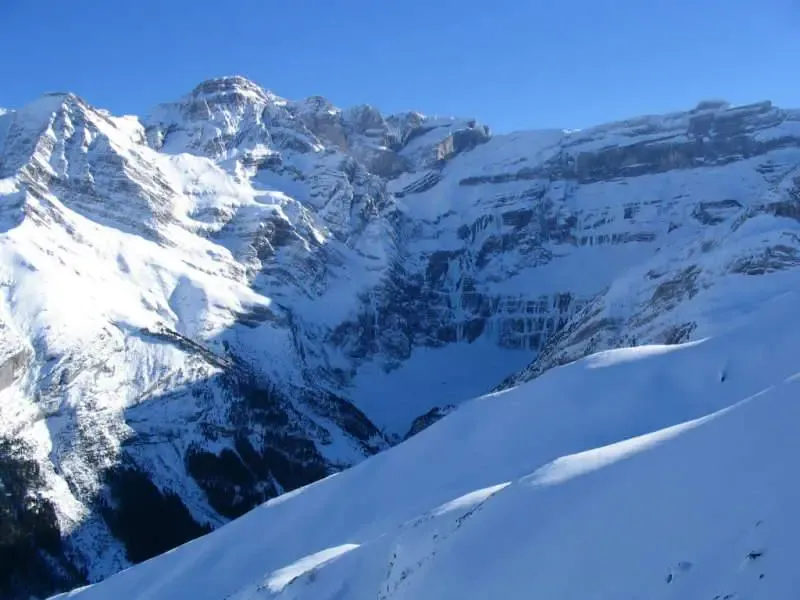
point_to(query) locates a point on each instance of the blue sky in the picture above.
(512, 64)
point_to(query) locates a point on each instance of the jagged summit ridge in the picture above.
(232, 84)
(224, 107)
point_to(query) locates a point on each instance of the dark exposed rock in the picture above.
(13, 367)
(676, 334)
(423, 184)
(523, 174)
(518, 218)
(149, 521)
(775, 258)
(711, 139)
(429, 418)
(189, 345)
(32, 559)
(256, 316)
(269, 447)
(233, 484)
(388, 164)
(462, 141)
(788, 206)
(671, 292)
(713, 213)
(225, 86)
(349, 418)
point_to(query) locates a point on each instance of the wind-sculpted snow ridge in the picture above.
(239, 294)
(657, 472)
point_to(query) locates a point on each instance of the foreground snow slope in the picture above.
(657, 472)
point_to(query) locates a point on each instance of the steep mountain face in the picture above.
(239, 294)
(692, 288)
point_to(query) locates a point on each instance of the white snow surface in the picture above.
(367, 256)
(631, 473)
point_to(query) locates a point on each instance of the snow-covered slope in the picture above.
(632, 473)
(238, 294)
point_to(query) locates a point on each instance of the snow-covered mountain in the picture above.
(633, 473)
(238, 294)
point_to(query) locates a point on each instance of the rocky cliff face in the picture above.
(240, 294)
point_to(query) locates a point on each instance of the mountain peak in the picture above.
(318, 103)
(711, 104)
(229, 86)
(51, 102)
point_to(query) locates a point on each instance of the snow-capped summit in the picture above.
(225, 89)
(239, 294)
(212, 120)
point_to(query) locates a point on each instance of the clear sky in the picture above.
(513, 64)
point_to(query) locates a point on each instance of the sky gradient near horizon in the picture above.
(513, 64)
